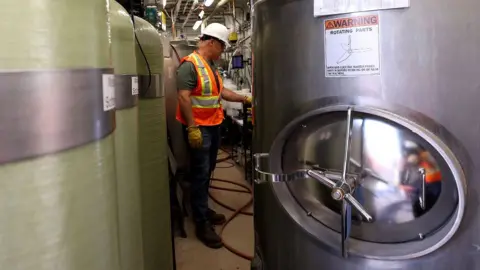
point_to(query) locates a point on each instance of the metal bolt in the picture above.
(309, 214)
(337, 194)
(420, 236)
(304, 126)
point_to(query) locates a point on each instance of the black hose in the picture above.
(141, 50)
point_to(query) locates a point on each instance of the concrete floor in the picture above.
(193, 255)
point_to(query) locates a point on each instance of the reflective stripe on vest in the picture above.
(205, 97)
(204, 78)
(205, 102)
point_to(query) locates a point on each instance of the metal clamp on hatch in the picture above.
(342, 185)
(341, 190)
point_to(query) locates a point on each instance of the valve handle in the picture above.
(423, 203)
(353, 202)
(340, 192)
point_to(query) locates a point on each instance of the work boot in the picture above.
(207, 235)
(215, 218)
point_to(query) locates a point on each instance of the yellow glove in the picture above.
(248, 100)
(195, 137)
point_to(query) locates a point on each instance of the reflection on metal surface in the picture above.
(386, 160)
(399, 187)
(177, 50)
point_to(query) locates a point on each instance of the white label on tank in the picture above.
(352, 46)
(331, 7)
(108, 92)
(134, 86)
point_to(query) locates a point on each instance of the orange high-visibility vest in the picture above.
(205, 98)
(432, 174)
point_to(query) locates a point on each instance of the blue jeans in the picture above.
(202, 163)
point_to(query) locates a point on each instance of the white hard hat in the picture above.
(218, 31)
(410, 145)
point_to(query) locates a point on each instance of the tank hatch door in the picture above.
(365, 177)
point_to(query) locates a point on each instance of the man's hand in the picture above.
(195, 138)
(231, 96)
(247, 100)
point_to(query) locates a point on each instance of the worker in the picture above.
(418, 157)
(200, 89)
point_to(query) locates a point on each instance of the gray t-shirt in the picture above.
(187, 75)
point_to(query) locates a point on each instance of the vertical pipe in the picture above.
(234, 17)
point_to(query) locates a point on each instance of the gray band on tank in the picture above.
(124, 96)
(44, 112)
(156, 89)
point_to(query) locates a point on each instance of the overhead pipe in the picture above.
(234, 16)
(243, 40)
(162, 9)
(185, 7)
(177, 9)
(217, 7)
(230, 14)
(174, 31)
(189, 14)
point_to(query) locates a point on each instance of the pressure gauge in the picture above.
(372, 177)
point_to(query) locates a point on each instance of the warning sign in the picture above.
(352, 46)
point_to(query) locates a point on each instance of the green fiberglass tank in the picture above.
(126, 138)
(57, 118)
(153, 149)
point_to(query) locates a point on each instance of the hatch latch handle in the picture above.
(341, 185)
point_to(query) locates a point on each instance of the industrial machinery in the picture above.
(57, 163)
(176, 51)
(126, 138)
(154, 177)
(365, 133)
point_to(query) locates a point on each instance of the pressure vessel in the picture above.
(153, 149)
(379, 98)
(176, 51)
(57, 164)
(126, 138)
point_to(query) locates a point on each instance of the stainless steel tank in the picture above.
(367, 150)
(177, 50)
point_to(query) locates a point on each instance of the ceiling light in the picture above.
(196, 25)
(164, 3)
(201, 14)
(208, 3)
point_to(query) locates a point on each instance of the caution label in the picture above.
(352, 46)
(108, 81)
(134, 85)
